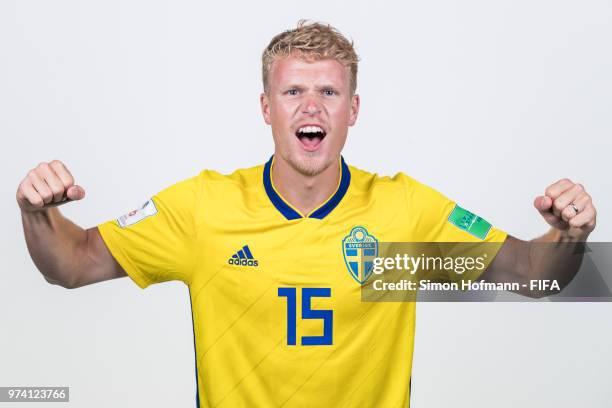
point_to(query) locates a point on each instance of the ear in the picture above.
(354, 109)
(265, 107)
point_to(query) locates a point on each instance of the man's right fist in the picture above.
(46, 185)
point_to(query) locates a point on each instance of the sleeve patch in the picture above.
(469, 222)
(148, 209)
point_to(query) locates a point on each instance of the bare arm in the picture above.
(557, 255)
(66, 254)
(543, 258)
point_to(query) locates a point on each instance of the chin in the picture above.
(309, 164)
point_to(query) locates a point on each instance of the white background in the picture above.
(488, 102)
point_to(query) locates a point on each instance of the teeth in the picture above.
(310, 129)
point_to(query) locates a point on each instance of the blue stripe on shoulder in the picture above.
(278, 202)
(333, 202)
(288, 212)
(197, 396)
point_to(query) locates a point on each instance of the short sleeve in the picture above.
(437, 218)
(156, 242)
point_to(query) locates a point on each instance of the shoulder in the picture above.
(211, 180)
(213, 183)
(211, 194)
(399, 183)
(208, 184)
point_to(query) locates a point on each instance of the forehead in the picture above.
(295, 69)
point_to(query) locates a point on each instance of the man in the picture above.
(275, 293)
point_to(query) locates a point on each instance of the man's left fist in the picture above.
(567, 207)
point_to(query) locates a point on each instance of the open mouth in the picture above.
(310, 137)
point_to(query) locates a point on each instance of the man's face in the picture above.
(310, 107)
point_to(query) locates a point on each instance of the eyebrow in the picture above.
(291, 86)
(318, 87)
(332, 87)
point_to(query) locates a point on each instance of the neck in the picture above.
(305, 193)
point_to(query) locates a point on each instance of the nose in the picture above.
(311, 106)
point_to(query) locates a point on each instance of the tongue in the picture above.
(310, 142)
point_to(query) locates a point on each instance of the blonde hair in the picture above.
(312, 41)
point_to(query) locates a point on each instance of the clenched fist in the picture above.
(46, 185)
(567, 207)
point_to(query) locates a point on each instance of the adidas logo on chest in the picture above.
(243, 257)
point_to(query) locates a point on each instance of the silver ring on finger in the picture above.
(575, 208)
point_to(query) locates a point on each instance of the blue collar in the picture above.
(322, 211)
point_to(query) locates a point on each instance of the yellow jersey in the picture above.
(275, 294)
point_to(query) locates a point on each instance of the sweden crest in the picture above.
(359, 249)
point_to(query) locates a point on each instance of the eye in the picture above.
(292, 92)
(329, 92)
